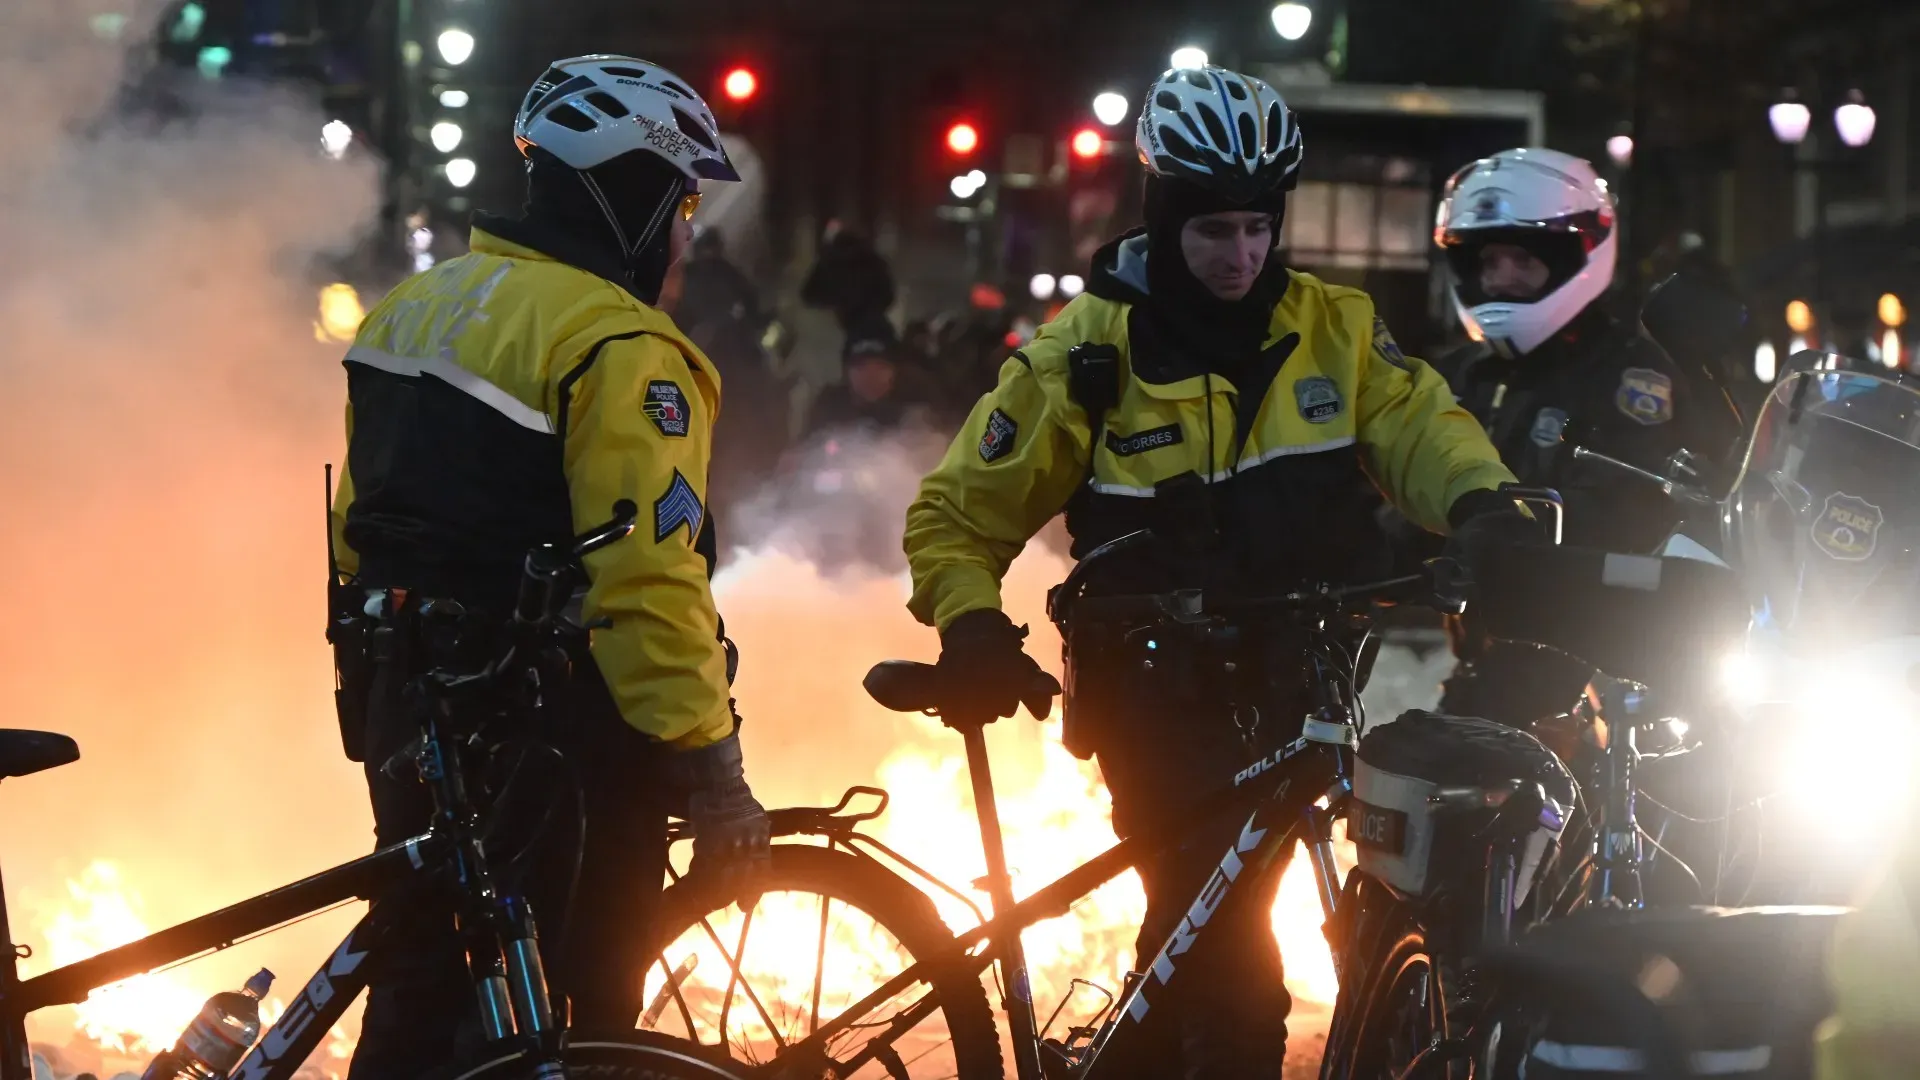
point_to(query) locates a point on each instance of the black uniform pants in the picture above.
(421, 1009)
(1230, 1019)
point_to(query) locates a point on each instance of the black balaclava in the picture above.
(1223, 331)
(623, 209)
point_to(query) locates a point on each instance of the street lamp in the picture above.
(1041, 286)
(1189, 56)
(1854, 120)
(1110, 108)
(460, 172)
(455, 46)
(1790, 121)
(335, 137)
(1620, 149)
(445, 135)
(1291, 20)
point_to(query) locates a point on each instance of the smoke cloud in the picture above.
(164, 414)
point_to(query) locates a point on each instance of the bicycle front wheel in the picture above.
(1397, 1009)
(829, 928)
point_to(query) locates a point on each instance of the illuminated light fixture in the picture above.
(445, 135)
(963, 138)
(1797, 345)
(1189, 56)
(213, 60)
(1892, 312)
(1890, 348)
(340, 313)
(335, 137)
(966, 187)
(1799, 316)
(460, 171)
(1110, 108)
(455, 46)
(1041, 286)
(1766, 363)
(453, 99)
(1291, 20)
(1789, 121)
(1087, 143)
(1072, 285)
(739, 84)
(1854, 120)
(1620, 149)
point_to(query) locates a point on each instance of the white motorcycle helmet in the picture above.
(588, 110)
(1553, 205)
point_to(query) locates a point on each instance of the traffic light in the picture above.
(740, 84)
(1087, 144)
(963, 138)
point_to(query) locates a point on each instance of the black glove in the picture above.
(986, 672)
(1484, 522)
(730, 825)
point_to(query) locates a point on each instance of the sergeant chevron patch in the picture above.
(676, 507)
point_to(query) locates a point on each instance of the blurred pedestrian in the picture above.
(720, 310)
(878, 393)
(849, 278)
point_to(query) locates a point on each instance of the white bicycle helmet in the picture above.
(1226, 132)
(1556, 207)
(588, 110)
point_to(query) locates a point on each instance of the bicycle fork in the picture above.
(1013, 958)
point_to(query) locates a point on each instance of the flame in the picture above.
(143, 1014)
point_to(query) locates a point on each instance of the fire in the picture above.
(1054, 809)
(143, 1014)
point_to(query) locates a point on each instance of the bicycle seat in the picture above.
(904, 685)
(23, 753)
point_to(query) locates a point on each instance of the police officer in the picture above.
(1531, 237)
(1245, 401)
(510, 397)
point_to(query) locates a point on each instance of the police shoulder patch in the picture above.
(1848, 528)
(1318, 398)
(997, 441)
(677, 506)
(1386, 348)
(1645, 396)
(666, 406)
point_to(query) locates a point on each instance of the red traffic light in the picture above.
(1088, 143)
(740, 84)
(963, 138)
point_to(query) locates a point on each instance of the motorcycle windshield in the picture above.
(1825, 515)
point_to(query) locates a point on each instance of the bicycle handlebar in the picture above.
(1439, 585)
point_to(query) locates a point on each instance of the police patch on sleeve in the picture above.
(1848, 527)
(677, 506)
(1319, 399)
(1645, 396)
(666, 406)
(1387, 348)
(997, 442)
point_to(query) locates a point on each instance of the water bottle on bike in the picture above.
(227, 1027)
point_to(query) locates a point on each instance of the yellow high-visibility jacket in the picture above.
(1283, 464)
(509, 397)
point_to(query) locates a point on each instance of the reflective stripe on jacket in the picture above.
(506, 398)
(1342, 398)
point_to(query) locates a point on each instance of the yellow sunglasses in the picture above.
(688, 205)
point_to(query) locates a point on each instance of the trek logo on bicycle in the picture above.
(1209, 901)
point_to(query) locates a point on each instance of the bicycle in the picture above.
(1521, 853)
(447, 866)
(1290, 796)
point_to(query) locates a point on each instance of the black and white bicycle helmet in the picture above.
(1224, 131)
(588, 110)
